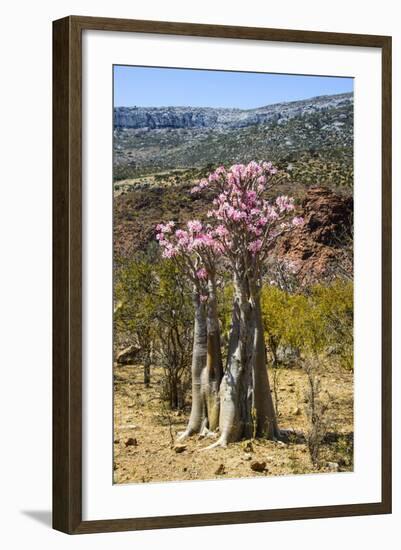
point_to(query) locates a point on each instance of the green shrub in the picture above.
(320, 321)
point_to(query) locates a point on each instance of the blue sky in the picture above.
(161, 87)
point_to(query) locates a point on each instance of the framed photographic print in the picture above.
(222, 275)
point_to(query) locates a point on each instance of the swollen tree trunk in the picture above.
(265, 415)
(246, 405)
(199, 356)
(236, 386)
(213, 371)
(207, 369)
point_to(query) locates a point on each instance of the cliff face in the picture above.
(141, 117)
(193, 117)
(322, 246)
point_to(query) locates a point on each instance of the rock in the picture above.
(220, 470)
(131, 441)
(296, 411)
(128, 355)
(180, 448)
(247, 456)
(311, 249)
(248, 447)
(287, 355)
(116, 441)
(281, 443)
(258, 466)
(333, 466)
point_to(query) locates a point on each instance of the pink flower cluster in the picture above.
(195, 238)
(240, 210)
(241, 218)
(284, 203)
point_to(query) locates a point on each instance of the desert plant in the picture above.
(317, 412)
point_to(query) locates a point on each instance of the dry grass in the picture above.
(141, 415)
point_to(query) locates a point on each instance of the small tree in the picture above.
(195, 251)
(134, 291)
(155, 312)
(317, 409)
(172, 320)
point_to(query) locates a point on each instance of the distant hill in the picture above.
(311, 139)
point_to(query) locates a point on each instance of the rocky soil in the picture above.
(145, 448)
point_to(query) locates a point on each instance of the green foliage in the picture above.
(153, 308)
(314, 323)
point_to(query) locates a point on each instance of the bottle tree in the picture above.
(196, 252)
(242, 228)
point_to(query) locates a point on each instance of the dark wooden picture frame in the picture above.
(67, 274)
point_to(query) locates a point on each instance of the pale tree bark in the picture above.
(266, 420)
(246, 405)
(213, 371)
(199, 356)
(207, 368)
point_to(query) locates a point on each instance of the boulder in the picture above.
(258, 466)
(180, 448)
(128, 355)
(131, 442)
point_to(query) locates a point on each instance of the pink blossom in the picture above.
(285, 203)
(262, 221)
(195, 189)
(203, 298)
(251, 197)
(194, 225)
(267, 166)
(169, 251)
(297, 221)
(221, 231)
(253, 169)
(180, 234)
(255, 246)
(270, 212)
(255, 230)
(165, 228)
(201, 273)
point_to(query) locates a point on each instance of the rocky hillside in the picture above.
(311, 139)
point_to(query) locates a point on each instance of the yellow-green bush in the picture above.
(316, 322)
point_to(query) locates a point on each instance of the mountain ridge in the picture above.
(209, 117)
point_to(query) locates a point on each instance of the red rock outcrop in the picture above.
(315, 249)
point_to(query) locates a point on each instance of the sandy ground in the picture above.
(145, 432)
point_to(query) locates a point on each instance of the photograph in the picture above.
(233, 295)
